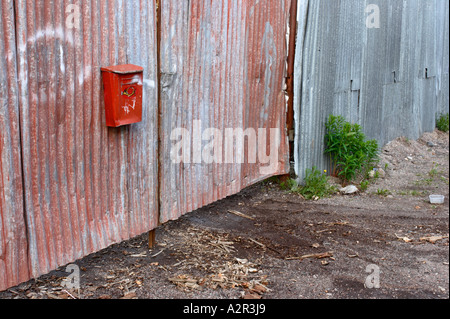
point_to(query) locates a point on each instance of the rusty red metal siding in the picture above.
(222, 63)
(71, 186)
(13, 241)
(86, 186)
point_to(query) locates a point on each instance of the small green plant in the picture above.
(377, 175)
(424, 182)
(431, 177)
(350, 152)
(383, 192)
(434, 172)
(414, 193)
(442, 123)
(316, 185)
(364, 185)
(290, 185)
(418, 193)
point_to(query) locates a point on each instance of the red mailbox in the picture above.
(123, 94)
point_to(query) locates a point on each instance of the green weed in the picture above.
(414, 193)
(442, 122)
(316, 185)
(350, 152)
(383, 192)
(364, 185)
(290, 185)
(434, 172)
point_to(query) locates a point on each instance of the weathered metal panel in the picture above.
(222, 63)
(86, 186)
(13, 241)
(70, 185)
(392, 80)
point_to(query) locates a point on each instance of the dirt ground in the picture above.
(270, 244)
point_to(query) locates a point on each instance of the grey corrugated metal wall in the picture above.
(393, 80)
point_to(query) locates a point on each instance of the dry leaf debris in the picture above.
(213, 256)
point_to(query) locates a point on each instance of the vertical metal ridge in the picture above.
(42, 138)
(159, 114)
(87, 94)
(97, 124)
(78, 132)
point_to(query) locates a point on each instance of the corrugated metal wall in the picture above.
(392, 80)
(13, 240)
(70, 186)
(85, 186)
(223, 63)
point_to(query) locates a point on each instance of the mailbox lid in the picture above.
(123, 69)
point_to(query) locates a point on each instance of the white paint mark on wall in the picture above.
(150, 83)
